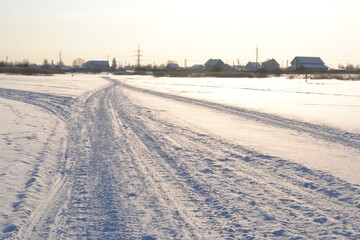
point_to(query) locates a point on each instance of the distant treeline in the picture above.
(340, 75)
(30, 71)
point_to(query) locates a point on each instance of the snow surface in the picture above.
(114, 157)
(31, 143)
(62, 84)
(332, 102)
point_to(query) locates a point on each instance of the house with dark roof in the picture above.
(96, 66)
(238, 68)
(197, 67)
(308, 64)
(252, 66)
(215, 65)
(270, 65)
(173, 66)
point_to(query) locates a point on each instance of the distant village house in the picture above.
(215, 65)
(238, 68)
(270, 65)
(198, 67)
(252, 66)
(308, 64)
(172, 66)
(96, 66)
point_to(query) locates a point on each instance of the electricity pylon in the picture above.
(138, 55)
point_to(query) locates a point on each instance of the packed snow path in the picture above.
(129, 172)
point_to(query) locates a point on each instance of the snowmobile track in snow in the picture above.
(326, 133)
(130, 174)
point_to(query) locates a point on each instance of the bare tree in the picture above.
(46, 63)
(341, 66)
(350, 67)
(23, 63)
(78, 62)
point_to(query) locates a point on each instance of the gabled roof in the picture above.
(253, 64)
(213, 62)
(309, 60)
(197, 66)
(270, 60)
(173, 65)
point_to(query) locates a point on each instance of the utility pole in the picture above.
(185, 62)
(6, 60)
(60, 60)
(257, 56)
(138, 55)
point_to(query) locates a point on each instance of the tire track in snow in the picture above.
(104, 183)
(330, 134)
(130, 174)
(233, 184)
(38, 177)
(57, 105)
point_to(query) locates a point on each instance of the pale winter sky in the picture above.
(195, 30)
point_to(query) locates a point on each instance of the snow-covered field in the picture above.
(137, 157)
(332, 102)
(327, 103)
